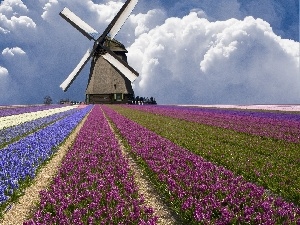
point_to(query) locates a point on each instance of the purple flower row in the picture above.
(202, 191)
(94, 184)
(274, 125)
(9, 134)
(21, 159)
(26, 109)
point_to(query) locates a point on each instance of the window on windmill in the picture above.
(118, 97)
(115, 86)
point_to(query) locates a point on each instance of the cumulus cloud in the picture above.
(280, 14)
(86, 10)
(16, 22)
(13, 51)
(4, 84)
(192, 60)
(215, 9)
(105, 12)
(18, 63)
(4, 31)
(12, 6)
(3, 72)
(145, 22)
(9, 91)
(13, 18)
(48, 8)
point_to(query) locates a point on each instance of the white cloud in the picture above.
(214, 9)
(4, 31)
(86, 10)
(23, 21)
(145, 22)
(282, 15)
(48, 7)
(105, 12)
(13, 51)
(3, 72)
(12, 6)
(192, 60)
(16, 22)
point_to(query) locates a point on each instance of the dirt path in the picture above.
(21, 210)
(146, 189)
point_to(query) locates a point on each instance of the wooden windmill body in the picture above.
(106, 84)
(110, 75)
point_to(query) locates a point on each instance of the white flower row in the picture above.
(9, 121)
(291, 108)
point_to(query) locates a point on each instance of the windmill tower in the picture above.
(106, 84)
(110, 75)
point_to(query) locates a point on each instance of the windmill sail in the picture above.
(125, 69)
(116, 24)
(79, 24)
(122, 18)
(66, 84)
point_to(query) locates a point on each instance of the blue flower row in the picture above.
(11, 133)
(21, 159)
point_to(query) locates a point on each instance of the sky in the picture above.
(186, 52)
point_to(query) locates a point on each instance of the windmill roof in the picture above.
(115, 45)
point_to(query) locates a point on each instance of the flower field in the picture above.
(271, 162)
(94, 184)
(20, 159)
(275, 125)
(210, 166)
(11, 133)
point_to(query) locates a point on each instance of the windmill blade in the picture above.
(123, 67)
(116, 24)
(66, 84)
(79, 24)
(122, 17)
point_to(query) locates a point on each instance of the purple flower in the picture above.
(215, 194)
(94, 183)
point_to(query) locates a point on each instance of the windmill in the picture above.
(110, 75)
